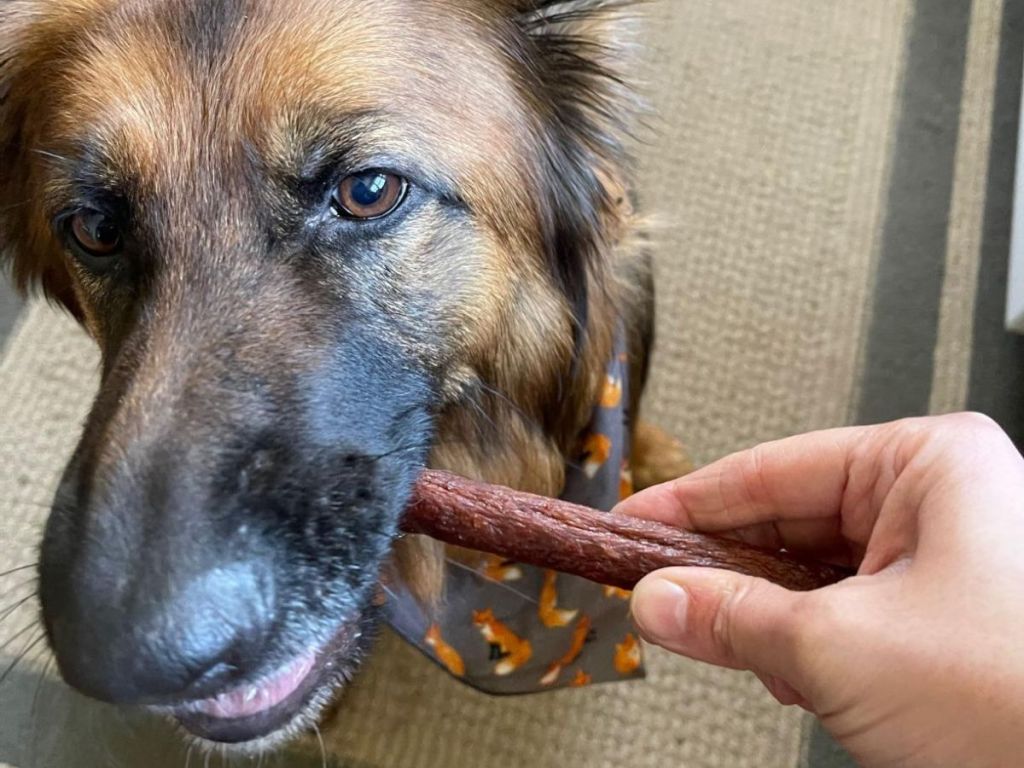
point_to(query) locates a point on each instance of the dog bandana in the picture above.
(508, 628)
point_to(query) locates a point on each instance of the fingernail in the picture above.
(659, 610)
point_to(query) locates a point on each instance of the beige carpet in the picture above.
(770, 171)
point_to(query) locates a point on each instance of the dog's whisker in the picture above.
(525, 418)
(400, 449)
(19, 633)
(484, 576)
(110, 758)
(18, 569)
(37, 504)
(528, 420)
(4, 613)
(24, 583)
(34, 711)
(13, 590)
(20, 656)
(433, 443)
(51, 155)
(323, 750)
(188, 755)
(415, 446)
(12, 206)
(430, 443)
(39, 682)
(206, 762)
(486, 416)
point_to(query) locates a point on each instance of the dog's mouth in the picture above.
(291, 695)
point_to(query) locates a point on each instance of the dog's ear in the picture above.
(24, 245)
(577, 60)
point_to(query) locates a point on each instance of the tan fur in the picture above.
(424, 80)
(657, 456)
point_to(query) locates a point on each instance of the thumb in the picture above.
(725, 619)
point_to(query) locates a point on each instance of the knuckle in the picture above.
(973, 422)
(961, 436)
(722, 626)
(957, 423)
(731, 629)
(752, 475)
(949, 438)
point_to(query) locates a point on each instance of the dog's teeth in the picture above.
(251, 693)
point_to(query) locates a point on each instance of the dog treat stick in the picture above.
(610, 549)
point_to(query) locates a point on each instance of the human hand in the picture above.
(916, 661)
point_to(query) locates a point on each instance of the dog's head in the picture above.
(313, 240)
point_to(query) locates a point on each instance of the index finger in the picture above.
(786, 493)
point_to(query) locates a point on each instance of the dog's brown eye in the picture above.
(369, 194)
(96, 233)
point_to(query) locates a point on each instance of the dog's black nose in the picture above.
(131, 643)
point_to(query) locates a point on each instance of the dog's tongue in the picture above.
(249, 700)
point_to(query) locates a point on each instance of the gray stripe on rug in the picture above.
(898, 363)
(10, 309)
(900, 348)
(997, 363)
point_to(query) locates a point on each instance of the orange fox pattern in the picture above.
(512, 650)
(580, 679)
(498, 568)
(555, 630)
(445, 653)
(579, 638)
(596, 450)
(627, 655)
(625, 481)
(621, 594)
(550, 614)
(611, 394)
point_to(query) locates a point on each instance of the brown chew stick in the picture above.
(610, 549)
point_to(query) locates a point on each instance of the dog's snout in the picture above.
(216, 523)
(138, 644)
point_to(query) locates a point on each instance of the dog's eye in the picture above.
(369, 194)
(96, 233)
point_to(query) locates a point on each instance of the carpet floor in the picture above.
(833, 181)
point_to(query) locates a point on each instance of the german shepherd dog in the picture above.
(321, 244)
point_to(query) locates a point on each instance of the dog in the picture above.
(321, 244)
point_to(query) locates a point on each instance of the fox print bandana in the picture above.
(506, 628)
